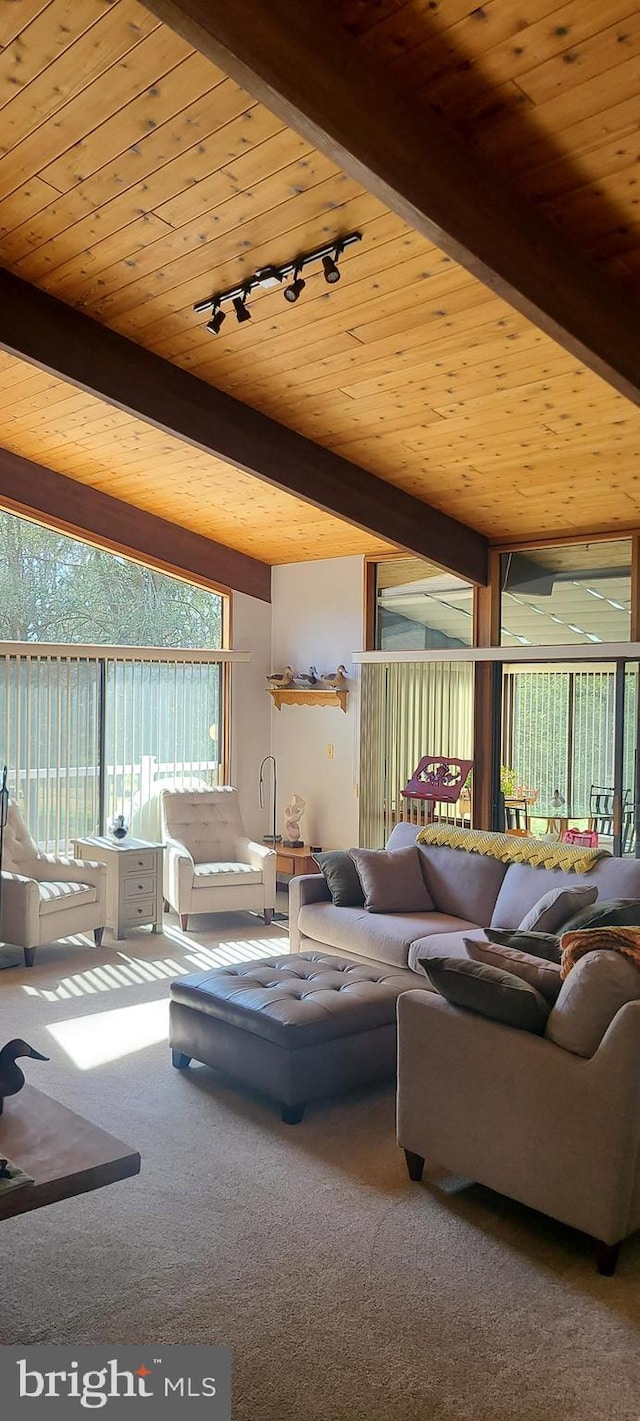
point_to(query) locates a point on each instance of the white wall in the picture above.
(250, 706)
(317, 619)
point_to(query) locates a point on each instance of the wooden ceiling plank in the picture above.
(14, 19)
(31, 197)
(74, 508)
(154, 56)
(596, 58)
(52, 32)
(56, 338)
(127, 244)
(451, 195)
(166, 100)
(116, 33)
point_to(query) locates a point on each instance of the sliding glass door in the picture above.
(569, 748)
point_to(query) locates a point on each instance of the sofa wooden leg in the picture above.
(98, 934)
(29, 956)
(415, 1165)
(291, 1114)
(184, 921)
(268, 915)
(607, 1257)
(179, 1060)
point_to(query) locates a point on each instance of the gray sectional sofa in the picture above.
(471, 892)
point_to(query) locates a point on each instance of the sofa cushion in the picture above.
(464, 885)
(385, 937)
(606, 913)
(543, 945)
(341, 877)
(544, 976)
(557, 906)
(56, 896)
(596, 988)
(524, 885)
(443, 944)
(392, 880)
(499, 995)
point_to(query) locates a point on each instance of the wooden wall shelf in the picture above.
(297, 697)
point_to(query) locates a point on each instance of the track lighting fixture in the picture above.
(240, 308)
(292, 292)
(216, 321)
(331, 273)
(271, 276)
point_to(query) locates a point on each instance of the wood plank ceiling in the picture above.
(136, 178)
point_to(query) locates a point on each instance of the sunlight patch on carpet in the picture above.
(91, 1041)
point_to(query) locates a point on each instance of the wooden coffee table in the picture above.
(66, 1154)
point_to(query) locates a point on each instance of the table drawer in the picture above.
(142, 911)
(140, 885)
(142, 862)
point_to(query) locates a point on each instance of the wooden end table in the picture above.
(294, 861)
(65, 1153)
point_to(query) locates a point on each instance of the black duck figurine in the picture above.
(11, 1077)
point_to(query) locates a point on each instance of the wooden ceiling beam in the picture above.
(33, 490)
(53, 336)
(299, 61)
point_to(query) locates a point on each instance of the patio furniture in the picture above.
(46, 897)
(211, 866)
(516, 817)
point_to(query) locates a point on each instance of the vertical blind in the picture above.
(408, 709)
(88, 736)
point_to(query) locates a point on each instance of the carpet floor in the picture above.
(344, 1290)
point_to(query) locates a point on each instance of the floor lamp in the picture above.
(272, 838)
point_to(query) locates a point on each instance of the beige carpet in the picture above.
(344, 1290)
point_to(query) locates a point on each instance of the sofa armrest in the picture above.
(304, 888)
(179, 869)
(20, 917)
(262, 857)
(59, 868)
(519, 1114)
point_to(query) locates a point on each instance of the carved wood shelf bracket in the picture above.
(295, 697)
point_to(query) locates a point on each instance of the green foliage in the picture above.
(55, 589)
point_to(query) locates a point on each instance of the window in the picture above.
(567, 595)
(421, 608)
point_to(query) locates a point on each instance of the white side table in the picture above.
(134, 881)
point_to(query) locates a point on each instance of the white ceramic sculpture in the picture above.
(293, 812)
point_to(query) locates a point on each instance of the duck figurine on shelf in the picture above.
(11, 1077)
(280, 680)
(308, 680)
(335, 680)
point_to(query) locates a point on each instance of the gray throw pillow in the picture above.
(607, 913)
(543, 945)
(489, 992)
(341, 877)
(544, 976)
(595, 989)
(392, 880)
(555, 908)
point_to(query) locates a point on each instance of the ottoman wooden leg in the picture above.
(415, 1165)
(179, 1060)
(291, 1114)
(607, 1257)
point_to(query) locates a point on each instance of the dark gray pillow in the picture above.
(543, 945)
(489, 992)
(341, 877)
(606, 913)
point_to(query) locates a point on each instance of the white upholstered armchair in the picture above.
(211, 866)
(46, 897)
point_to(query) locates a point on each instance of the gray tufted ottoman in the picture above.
(297, 1028)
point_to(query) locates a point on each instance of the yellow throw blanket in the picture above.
(574, 945)
(508, 849)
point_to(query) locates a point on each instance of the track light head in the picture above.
(331, 273)
(292, 292)
(215, 323)
(241, 310)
